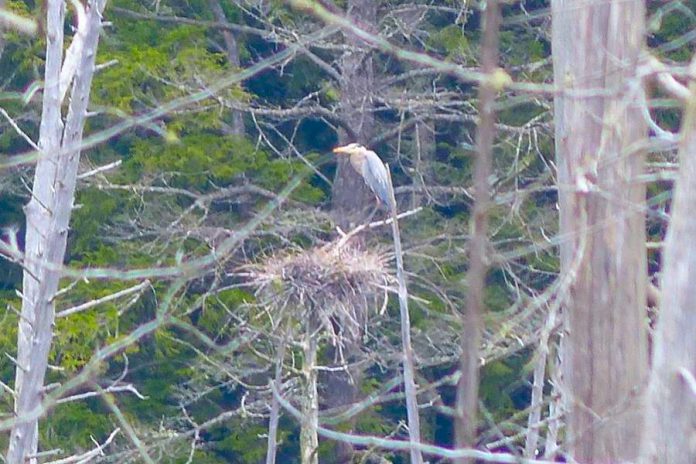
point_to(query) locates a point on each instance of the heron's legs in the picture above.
(372, 214)
(376, 208)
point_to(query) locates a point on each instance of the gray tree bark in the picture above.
(352, 200)
(309, 438)
(232, 52)
(596, 46)
(669, 426)
(48, 217)
(468, 384)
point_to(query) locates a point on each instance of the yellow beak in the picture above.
(339, 150)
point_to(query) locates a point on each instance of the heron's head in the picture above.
(350, 149)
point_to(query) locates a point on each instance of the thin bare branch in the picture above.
(105, 299)
(410, 388)
(89, 455)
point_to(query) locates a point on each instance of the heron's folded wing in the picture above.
(375, 174)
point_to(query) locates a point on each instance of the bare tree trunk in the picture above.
(274, 418)
(555, 412)
(351, 198)
(532, 438)
(350, 195)
(48, 217)
(596, 46)
(467, 387)
(669, 426)
(309, 440)
(232, 52)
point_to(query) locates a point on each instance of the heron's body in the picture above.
(370, 167)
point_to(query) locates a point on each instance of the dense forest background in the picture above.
(207, 249)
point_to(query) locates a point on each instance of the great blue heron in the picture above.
(371, 168)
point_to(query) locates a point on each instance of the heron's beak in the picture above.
(339, 150)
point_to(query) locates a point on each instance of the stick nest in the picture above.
(333, 285)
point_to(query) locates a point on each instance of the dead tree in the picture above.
(48, 212)
(349, 193)
(596, 46)
(467, 386)
(669, 425)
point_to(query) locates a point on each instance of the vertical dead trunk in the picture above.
(468, 385)
(410, 388)
(48, 217)
(272, 443)
(669, 426)
(541, 360)
(351, 199)
(232, 52)
(309, 440)
(596, 46)
(424, 137)
(555, 411)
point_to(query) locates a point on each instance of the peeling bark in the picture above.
(670, 427)
(596, 46)
(48, 217)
